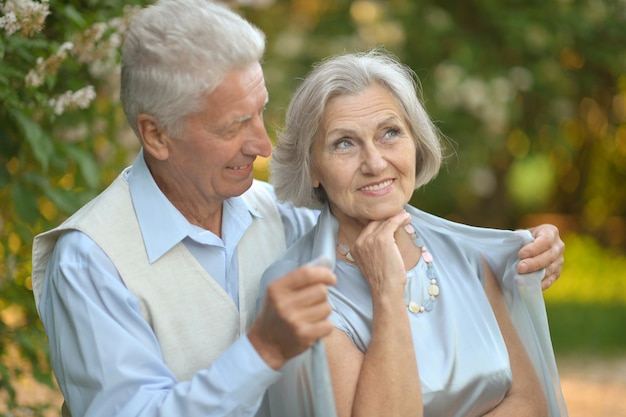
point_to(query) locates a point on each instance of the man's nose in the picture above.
(258, 141)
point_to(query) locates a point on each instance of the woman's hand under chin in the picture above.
(379, 258)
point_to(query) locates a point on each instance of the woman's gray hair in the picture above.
(176, 52)
(347, 75)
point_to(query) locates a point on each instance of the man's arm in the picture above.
(545, 252)
(107, 359)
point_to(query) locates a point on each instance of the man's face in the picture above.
(213, 160)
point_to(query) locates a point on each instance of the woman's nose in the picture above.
(373, 161)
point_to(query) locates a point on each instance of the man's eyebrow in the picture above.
(243, 118)
(240, 119)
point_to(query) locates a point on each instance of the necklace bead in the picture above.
(415, 308)
(344, 249)
(433, 290)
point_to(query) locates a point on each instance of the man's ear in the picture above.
(154, 138)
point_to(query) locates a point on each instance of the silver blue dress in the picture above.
(462, 359)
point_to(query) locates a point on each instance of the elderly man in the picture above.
(147, 293)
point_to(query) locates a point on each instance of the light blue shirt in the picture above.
(85, 304)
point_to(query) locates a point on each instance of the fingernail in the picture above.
(523, 267)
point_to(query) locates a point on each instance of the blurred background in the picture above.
(530, 95)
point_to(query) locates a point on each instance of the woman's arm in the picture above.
(385, 380)
(376, 383)
(525, 397)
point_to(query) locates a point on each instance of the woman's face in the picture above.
(364, 156)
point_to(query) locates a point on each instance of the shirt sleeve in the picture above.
(296, 220)
(107, 359)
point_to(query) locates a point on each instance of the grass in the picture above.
(587, 305)
(589, 330)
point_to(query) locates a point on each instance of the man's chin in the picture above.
(242, 185)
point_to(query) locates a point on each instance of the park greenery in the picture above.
(530, 96)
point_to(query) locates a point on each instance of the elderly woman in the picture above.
(431, 317)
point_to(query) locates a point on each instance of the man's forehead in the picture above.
(240, 115)
(240, 96)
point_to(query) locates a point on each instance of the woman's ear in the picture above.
(314, 181)
(154, 138)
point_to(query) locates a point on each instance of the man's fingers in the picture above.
(545, 237)
(535, 263)
(546, 249)
(319, 330)
(294, 314)
(286, 299)
(553, 272)
(547, 281)
(301, 297)
(545, 252)
(307, 275)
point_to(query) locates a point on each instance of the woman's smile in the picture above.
(364, 156)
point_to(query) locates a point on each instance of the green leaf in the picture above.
(25, 203)
(86, 163)
(66, 201)
(74, 15)
(39, 141)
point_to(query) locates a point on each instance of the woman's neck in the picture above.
(350, 229)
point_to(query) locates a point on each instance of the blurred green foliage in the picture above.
(53, 158)
(593, 275)
(531, 96)
(587, 305)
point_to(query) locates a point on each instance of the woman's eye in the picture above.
(392, 132)
(342, 144)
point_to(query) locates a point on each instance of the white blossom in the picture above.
(64, 49)
(36, 76)
(33, 79)
(9, 23)
(25, 15)
(71, 100)
(522, 78)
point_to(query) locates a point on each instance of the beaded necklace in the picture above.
(411, 289)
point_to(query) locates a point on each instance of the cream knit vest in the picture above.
(193, 318)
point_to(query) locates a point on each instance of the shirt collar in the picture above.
(162, 225)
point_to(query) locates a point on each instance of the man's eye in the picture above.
(231, 131)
